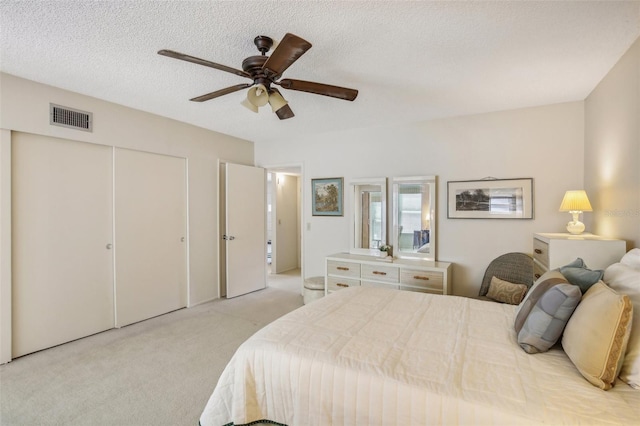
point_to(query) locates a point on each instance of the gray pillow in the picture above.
(544, 314)
(578, 274)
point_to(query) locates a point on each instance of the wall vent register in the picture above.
(71, 118)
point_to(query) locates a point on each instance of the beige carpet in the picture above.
(157, 372)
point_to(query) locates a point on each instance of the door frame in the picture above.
(276, 168)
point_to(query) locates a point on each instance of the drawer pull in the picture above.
(379, 273)
(342, 285)
(538, 251)
(536, 275)
(418, 277)
(342, 268)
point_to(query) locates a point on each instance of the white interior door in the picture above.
(246, 247)
(150, 235)
(62, 223)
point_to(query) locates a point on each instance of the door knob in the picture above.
(109, 246)
(182, 239)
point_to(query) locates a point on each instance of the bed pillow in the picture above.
(632, 258)
(506, 292)
(596, 336)
(544, 314)
(578, 274)
(626, 280)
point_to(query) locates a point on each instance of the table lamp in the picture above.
(575, 202)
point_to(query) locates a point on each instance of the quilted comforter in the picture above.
(371, 356)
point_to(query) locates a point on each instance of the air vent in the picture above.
(69, 117)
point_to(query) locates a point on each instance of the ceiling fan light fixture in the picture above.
(285, 112)
(276, 100)
(258, 95)
(247, 104)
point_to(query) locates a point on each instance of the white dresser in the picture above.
(551, 251)
(348, 270)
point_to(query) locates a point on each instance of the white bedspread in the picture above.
(370, 356)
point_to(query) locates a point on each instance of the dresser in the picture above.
(347, 270)
(551, 251)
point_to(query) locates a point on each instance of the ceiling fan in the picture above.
(266, 71)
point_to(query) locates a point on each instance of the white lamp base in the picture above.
(575, 227)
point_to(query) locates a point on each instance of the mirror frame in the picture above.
(355, 219)
(433, 208)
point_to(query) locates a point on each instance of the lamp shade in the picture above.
(258, 95)
(575, 201)
(276, 100)
(249, 105)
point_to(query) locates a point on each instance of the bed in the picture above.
(374, 356)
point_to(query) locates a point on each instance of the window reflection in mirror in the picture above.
(414, 217)
(369, 215)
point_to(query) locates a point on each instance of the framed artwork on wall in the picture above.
(490, 199)
(327, 195)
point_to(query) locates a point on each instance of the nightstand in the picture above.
(551, 251)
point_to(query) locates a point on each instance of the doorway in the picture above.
(284, 228)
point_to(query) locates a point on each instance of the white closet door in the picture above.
(150, 235)
(61, 223)
(246, 229)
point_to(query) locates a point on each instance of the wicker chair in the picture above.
(516, 268)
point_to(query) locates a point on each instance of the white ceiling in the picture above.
(411, 61)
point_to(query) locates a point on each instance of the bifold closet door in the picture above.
(61, 237)
(150, 235)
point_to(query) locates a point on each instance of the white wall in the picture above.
(612, 151)
(24, 107)
(545, 143)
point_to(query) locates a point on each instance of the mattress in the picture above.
(373, 356)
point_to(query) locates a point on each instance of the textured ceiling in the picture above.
(411, 61)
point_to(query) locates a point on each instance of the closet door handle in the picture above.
(109, 246)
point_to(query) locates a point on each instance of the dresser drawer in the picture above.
(419, 278)
(541, 252)
(380, 273)
(538, 270)
(421, 290)
(380, 285)
(337, 283)
(344, 269)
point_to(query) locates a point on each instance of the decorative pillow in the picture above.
(547, 275)
(597, 334)
(578, 274)
(632, 258)
(626, 280)
(506, 292)
(545, 313)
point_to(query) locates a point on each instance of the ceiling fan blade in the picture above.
(221, 92)
(319, 89)
(286, 53)
(193, 59)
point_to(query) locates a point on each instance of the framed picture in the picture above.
(327, 195)
(490, 199)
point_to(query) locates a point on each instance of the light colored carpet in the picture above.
(156, 372)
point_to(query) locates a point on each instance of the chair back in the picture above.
(517, 268)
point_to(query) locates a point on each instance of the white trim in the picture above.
(5, 246)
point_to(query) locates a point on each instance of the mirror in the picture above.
(369, 224)
(414, 217)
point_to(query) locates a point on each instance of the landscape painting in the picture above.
(327, 196)
(490, 199)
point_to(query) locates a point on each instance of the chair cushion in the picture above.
(506, 292)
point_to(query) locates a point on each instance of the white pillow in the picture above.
(632, 258)
(626, 280)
